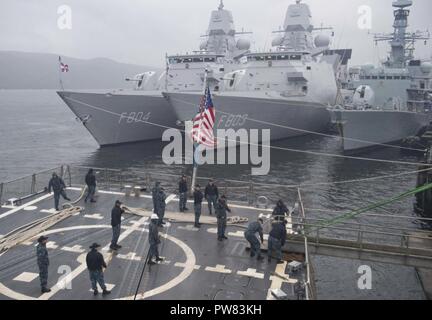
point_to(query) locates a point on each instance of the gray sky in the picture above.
(142, 31)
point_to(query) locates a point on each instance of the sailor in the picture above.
(90, 181)
(155, 195)
(161, 206)
(250, 235)
(57, 185)
(43, 263)
(211, 194)
(116, 214)
(280, 211)
(154, 240)
(95, 264)
(276, 241)
(221, 215)
(198, 198)
(183, 190)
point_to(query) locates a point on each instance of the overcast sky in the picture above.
(142, 31)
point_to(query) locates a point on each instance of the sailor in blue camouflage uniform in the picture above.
(43, 263)
(161, 206)
(154, 240)
(250, 235)
(57, 185)
(155, 197)
(221, 215)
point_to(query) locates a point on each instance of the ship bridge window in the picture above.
(198, 60)
(374, 77)
(397, 77)
(209, 59)
(382, 78)
(389, 78)
(295, 57)
(187, 60)
(269, 58)
(404, 78)
(283, 57)
(367, 77)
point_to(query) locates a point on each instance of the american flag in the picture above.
(203, 123)
(63, 67)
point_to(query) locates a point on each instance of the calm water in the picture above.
(37, 132)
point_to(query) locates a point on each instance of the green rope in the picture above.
(352, 214)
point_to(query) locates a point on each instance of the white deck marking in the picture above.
(27, 243)
(189, 268)
(183, 265)
(95, 216)
(131, 256)
(189, 227)
(220, 268)
(26, 277)
(51, 245)
(30, 208)
(276, 282)
(212, 230)
(74, 249)
(52, 210)
(251, 273)
(170, 198)
(239, 234)
(109, 287)
(8, 213)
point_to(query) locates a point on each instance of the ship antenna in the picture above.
(221, 5)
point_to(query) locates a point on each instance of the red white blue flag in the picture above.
(63, 67)
(203, 123)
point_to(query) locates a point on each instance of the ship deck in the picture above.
(196, 265)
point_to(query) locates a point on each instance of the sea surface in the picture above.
(38, 132)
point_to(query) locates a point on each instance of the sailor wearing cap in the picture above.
(116, 214)
(43, 263)
(95, 264)
(154, 240)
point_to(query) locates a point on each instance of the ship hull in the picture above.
(372, 128)
(285, 118)
(119, 118)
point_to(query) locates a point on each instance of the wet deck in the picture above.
(197, 266)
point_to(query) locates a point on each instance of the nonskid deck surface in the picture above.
(196, 265)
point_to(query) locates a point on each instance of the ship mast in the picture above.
(401, 42)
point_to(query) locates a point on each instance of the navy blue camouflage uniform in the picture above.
(198, 198)
(211, 194)
(95, 263)
(277, 238)
(57, 185)
(250, 235)
(155, 197)
(154, 240)
(221, 215)
(43, 263)
(161, 206)
(183, 190)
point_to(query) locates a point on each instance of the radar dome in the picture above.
(322, 40)
(243, 44)
(203, 45)
(277, 41)
(364, 96)
(426, 67)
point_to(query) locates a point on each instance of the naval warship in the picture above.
(391, 101)
(141, 114)
(287, 89)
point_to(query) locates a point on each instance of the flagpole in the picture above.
(60, 74)
(196, 145)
